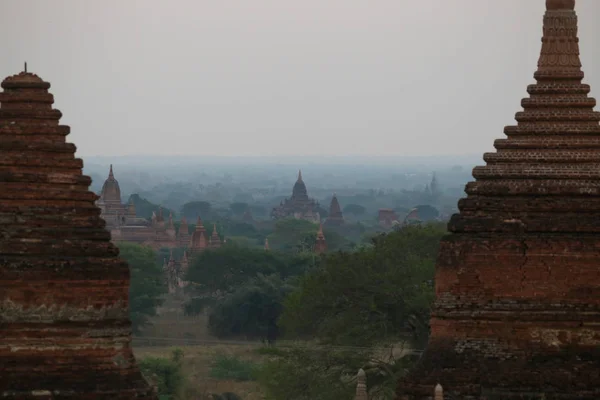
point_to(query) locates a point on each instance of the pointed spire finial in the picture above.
(110, 173)
(25, 67)
(299, 175)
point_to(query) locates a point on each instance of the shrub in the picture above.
(231, 367)
(165, 373)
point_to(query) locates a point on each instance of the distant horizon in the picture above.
(290, 159)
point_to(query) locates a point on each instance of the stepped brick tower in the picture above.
(64, 318)
(199, 242)
(517, 311)
(335, 217)
(320, 244)
(215, 239)
(183, 235)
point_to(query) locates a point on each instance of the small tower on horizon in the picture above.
(320, 244)
(335, 217)
(199, 242)
(215, 239)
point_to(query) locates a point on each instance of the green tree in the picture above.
(145, 208)
(293, 235)
(238, 208)
(147, 286)
(378, 294)
(252, 310)
(166, 374)
(427, 212)
(354, 209)
(258, 210)
(244, 288)
(195, 209)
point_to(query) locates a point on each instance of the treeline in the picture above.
(351, 302)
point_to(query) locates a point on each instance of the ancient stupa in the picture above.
(64, 323)
(517, 311)
(335, 217)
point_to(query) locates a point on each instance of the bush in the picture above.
(231, 367)
(165, 373)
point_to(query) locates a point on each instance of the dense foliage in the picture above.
(194, 209)
(166, 374)
(360, 303)
(372, 295)
(147, 286)
(252, 311)
(244, 288)
(145, 208)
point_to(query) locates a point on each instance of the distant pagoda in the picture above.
(199, 241)
(64, 319)
(299, 206)
(517, 311)
(335, 217)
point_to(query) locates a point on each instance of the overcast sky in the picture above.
(285, 77)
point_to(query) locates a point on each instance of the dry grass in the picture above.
(197, 363)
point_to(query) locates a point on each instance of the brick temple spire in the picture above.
(215, 239)
(335, 217)
(320, 244)
(111, 191)
(199, 241)
(517, 310)
(64, 319)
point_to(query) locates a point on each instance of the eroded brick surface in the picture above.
(64, 325)
(517, 309)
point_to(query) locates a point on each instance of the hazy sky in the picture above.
(279, 77)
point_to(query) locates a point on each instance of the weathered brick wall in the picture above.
(64, 323)
(517, 311)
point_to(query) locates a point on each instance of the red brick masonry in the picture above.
(517, 311)
(64, 323)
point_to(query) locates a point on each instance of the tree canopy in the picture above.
(194, 209)
(147, 285)
(371, 295)
(354, 209)
(244, 288)
(293, 235)
(252, 310)
(238, 208)
(145, 208)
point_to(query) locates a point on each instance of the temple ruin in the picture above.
(299, 206)
(517, 310)
(64, 317)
